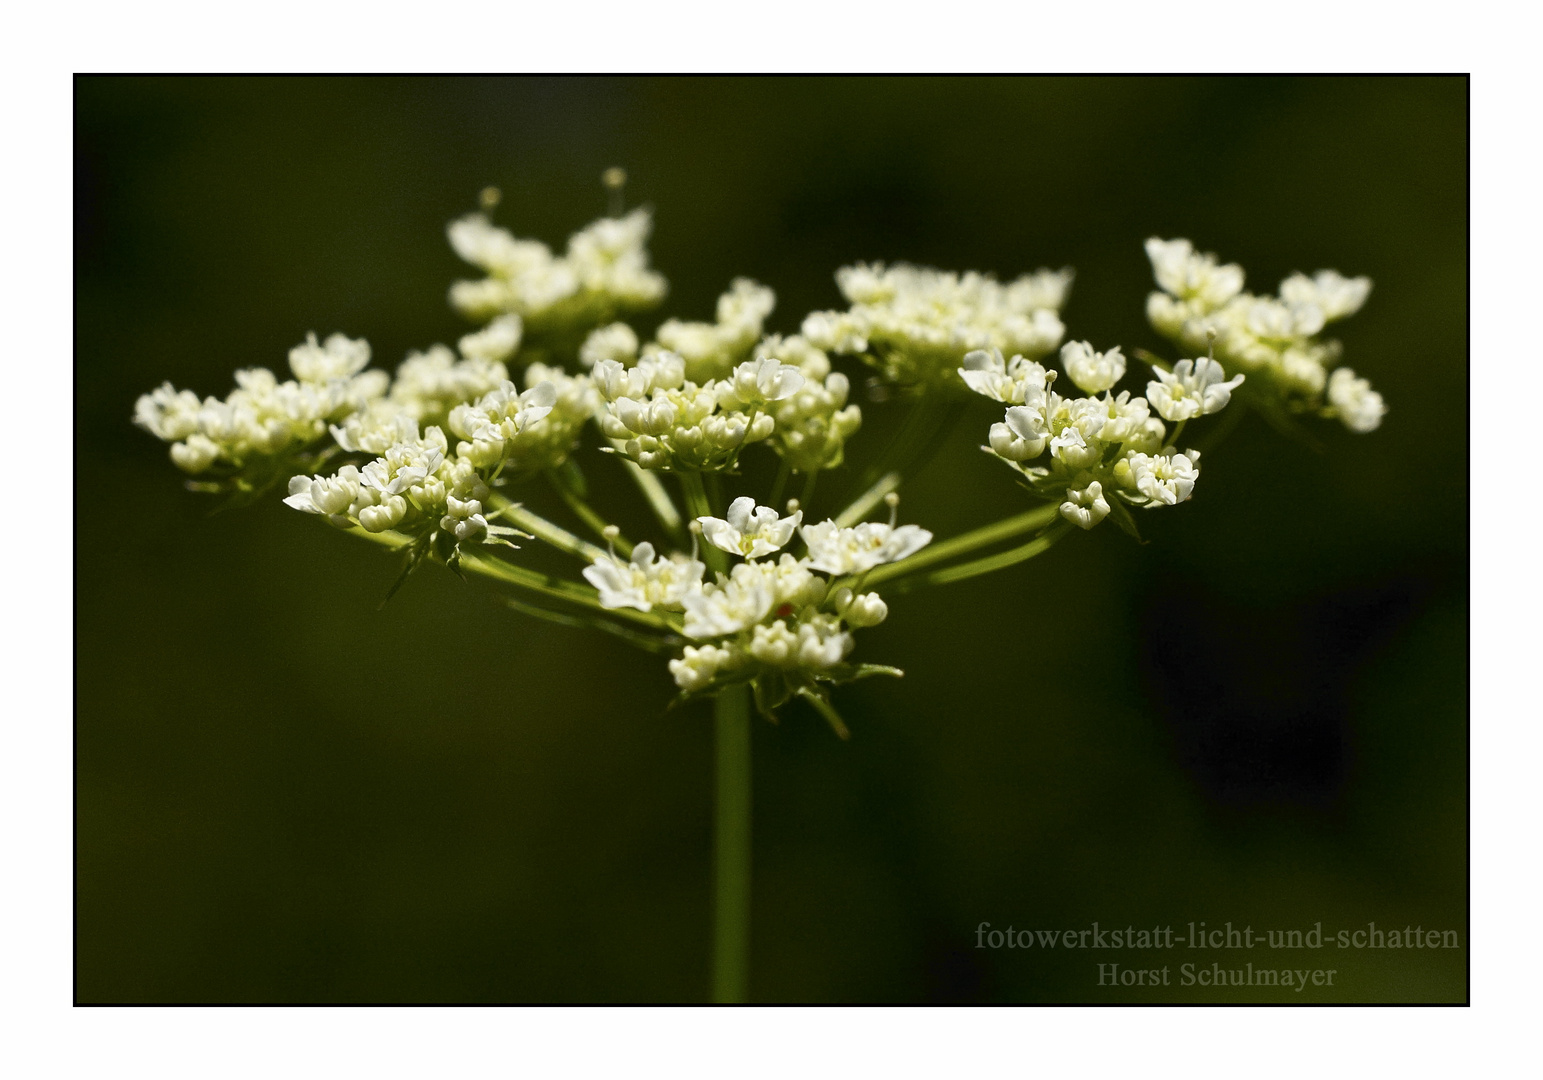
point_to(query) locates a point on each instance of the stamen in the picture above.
(615, 181)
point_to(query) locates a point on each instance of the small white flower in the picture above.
(329, 495)
(855, 551)
(616, 342)
(405, 465)
(797, 351)
(774, 644)
(195, 454)
(756, 382)
(917, 324)
(1015, 382)
(1162, 479)
(168, 413)
(835, 331)
(1094, 372)
(383, 515)
(1333, 294)
(1358, 406)
(822, 643)
(698, 665)
(494, 343)
(1269, 319)
(866, 609)
(1075, 450)
(750, 531)
(1193, 388)
(647, 417)
(1085, 507)
(464, 528)
(746, 303)
(813, 425)
(1021, 436)
(743, 600)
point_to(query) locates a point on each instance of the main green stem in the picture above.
(731, 845)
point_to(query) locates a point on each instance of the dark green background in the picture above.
(286, 794)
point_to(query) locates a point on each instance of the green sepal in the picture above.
(821, 702)
(416, 551)
(849, 673)
(1121, 515)
(771, 693)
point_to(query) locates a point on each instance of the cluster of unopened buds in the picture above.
(440, 459)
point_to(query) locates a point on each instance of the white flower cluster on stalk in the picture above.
(263, 420)
(405, 481)
(1104, 449)
(662, 420)
(814, 423)
(711, 350)
(604, 273)
(780, 622)
(427, 461)
(1274, 339)
(915, 325)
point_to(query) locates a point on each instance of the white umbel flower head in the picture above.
(855, 551)
(491, 425)
(1193, 388)
(644, 581)
(431, 383)
(918, 324)
(751, 531)
(339, 358)
(1094, 372)
(1353, 400)
(1183, 272)
(712, 350)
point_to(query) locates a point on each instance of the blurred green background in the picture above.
(286, 793)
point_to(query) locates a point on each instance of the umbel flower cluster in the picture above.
(1274, 339)
(441, 458)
